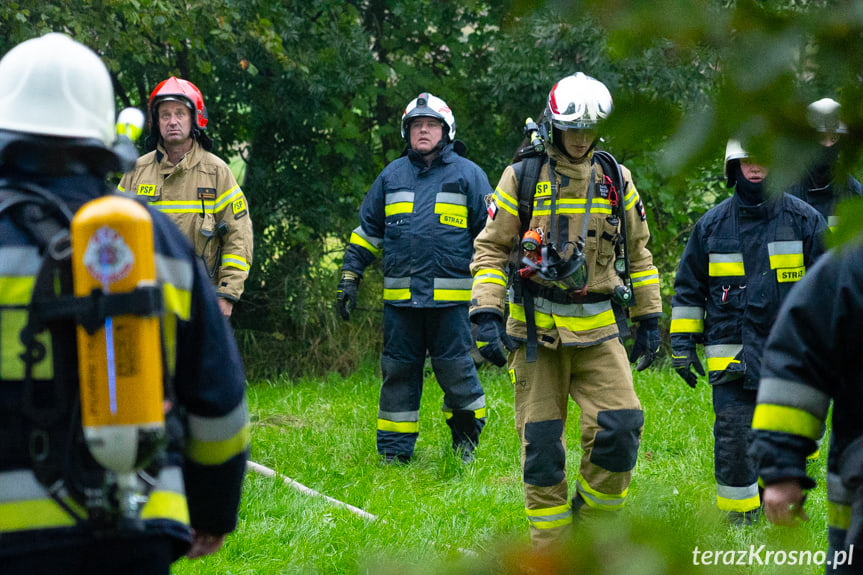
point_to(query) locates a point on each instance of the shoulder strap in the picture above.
(527, 173)
(611, 169)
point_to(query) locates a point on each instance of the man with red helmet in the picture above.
(195, 188)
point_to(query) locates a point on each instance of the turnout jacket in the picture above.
(811, 357)
(827, 198)
(424, 220)
(200, 481)
(201, 196)
(737, 267)
(592, 319)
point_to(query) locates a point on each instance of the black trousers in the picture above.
(139, 556)
(445, 335)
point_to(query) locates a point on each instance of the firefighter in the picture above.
(811, 358)
(740, 261)
(568, 316)
(56, 516)
(423, 212)
(182, 178)
(818, 187)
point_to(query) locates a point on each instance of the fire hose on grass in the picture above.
(267, 472)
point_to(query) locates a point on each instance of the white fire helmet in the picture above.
(429, 106)
(577, 102)
(824, 116)
(55, 86)
(733, 151)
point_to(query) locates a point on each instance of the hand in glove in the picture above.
(647, 342)
(683, 359)
(346, 294)
(492, 339)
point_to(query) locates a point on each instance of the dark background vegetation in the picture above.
(308, 95)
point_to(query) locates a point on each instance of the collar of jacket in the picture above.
(192, 157)
(564, 165)
(445, 157)
(757, 211)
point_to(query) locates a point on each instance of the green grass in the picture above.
(436, 515)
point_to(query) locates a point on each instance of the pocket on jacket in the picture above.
(206, 242)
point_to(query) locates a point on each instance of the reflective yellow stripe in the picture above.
(687, 326)
(397, 294)
(218, 452)
(35, 514)
(16, 290)
(451, 295)
(786, 419)
(720, 269)
(477, 413)
(177, 301)
(545, 512)
(235, 261)
(630, 199)
(597, 500)
(506, 201)
(786, 261)
(603, 319)
(357, 240)
(451, 210)
(489, 275)
(227, 198)
(740, 505)
(399, 426)
(183, 207)
(552, 524)
(648, 277)
(12, 322)
(649, 281)
(399, 208)
(542, 320)
(720, 363)
(166, 505)
(563, 513)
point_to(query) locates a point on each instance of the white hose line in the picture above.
(267, 472)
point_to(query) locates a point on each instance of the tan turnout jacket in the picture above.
(570, 323)
(201, 195)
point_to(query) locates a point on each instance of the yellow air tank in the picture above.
(120, 365)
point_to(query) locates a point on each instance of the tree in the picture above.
(309, 95)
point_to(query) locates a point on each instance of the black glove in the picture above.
(684, 358)
(647, 342)
(492, 339)
(346, 294)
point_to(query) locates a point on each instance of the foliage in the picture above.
(309, 95)
(436, 515)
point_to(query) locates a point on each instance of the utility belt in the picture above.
(524, 292)
(555, 294)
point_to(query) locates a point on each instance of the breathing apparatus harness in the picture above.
(58, 453)
(539, 253)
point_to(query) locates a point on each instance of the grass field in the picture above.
(436, 515)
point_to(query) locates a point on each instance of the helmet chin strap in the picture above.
(431, 153)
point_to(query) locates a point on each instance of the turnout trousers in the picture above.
(445, 334)
(735, 471)
(599, 379)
